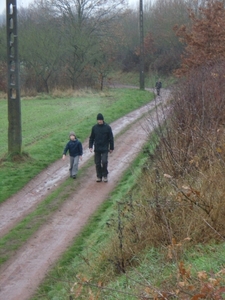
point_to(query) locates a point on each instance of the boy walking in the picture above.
(75, 151)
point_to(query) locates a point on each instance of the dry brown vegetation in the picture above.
(204, 40)
(182, 187)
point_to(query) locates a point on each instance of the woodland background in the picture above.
(76, 44)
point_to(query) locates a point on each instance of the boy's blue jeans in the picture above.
(74, 161)
(101, 162)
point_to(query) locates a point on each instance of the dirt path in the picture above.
(21, 275)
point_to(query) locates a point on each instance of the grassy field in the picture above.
(133, 78)
(46, 122)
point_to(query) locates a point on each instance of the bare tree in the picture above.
(40, 47)
(160, 20)
(205, 39)
(85, 23)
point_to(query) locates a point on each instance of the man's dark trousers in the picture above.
(101, 162)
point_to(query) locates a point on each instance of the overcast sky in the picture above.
(25, 3)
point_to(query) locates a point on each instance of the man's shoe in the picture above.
(98, 179)
(74, 176)
(105, 179)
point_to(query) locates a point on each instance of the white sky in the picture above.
(25, 3)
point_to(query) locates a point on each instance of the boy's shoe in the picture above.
(74, 176)
(98, 179)
(105, 179)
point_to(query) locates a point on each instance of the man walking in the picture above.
(102, 139)
(158, 86)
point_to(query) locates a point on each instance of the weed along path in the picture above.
(22, 273)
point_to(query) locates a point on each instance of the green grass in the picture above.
(156, 272)
(46, 122)
(133, 79)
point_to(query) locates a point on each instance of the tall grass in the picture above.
(190, 158)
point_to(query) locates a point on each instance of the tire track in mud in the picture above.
(21, 275)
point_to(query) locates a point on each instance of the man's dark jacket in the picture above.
(102, 138)
(75, 148)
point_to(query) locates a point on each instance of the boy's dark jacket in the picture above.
(75, 148)
(102, 138)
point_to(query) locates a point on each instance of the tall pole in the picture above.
(14, 107)
(142, 73)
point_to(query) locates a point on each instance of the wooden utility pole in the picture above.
(14, 107)
(142, 73)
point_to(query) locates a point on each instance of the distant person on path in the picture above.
(76, 151)
(158, 86)
(102, 139)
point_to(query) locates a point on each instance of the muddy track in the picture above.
(21, 275)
